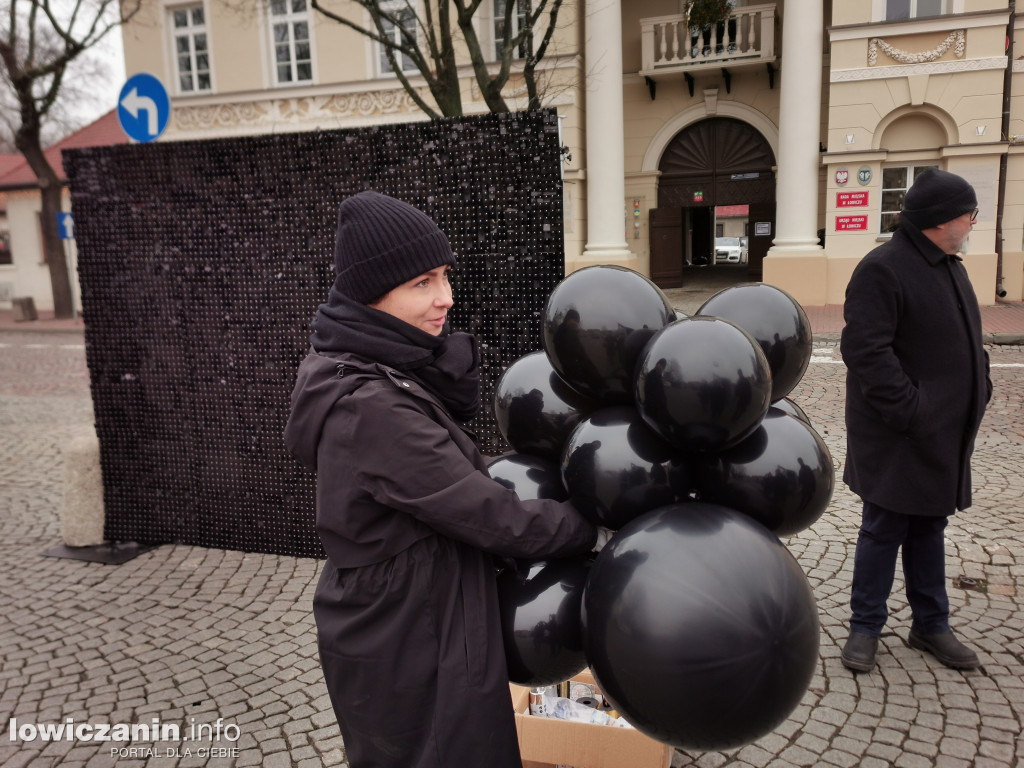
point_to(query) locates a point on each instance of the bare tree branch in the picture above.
(429, 45)
(36, 49)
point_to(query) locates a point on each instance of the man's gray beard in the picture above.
(965, 245)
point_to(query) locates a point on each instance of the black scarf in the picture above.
(447, 365)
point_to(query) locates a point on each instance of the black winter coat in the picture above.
(917, 381)
(406, 607)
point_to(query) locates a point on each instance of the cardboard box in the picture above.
(545, 741)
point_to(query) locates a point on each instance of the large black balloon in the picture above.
(703, 384)
(700, 627)
(789, 406)
(595, 325)
(540, 620)
(782, 475)
(535, 409)
(531, 477)
(616, 468)
(778, 323)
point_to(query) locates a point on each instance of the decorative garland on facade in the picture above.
(957, 36)
(295, 110)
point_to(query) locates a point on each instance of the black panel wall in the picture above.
(202, 263)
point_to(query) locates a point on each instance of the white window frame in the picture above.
(380, 52)
(190, 32)
(912, 171)
(289, 19)
(497, 17)
(879, 9)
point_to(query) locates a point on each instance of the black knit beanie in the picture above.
(382, 243)
(937, 197)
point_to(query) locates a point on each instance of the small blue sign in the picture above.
(66, 225)
(143, 107)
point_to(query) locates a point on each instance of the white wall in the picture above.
(28, 273)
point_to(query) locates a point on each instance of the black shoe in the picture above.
(946, 648)
(859, 652)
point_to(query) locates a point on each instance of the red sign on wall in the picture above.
(851, 199)
(851, 223)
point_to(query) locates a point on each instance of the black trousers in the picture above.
(882, 533)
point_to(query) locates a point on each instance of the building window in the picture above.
(517, 22)
(895, 183)
(405, 17)
(289, 29)
(5, 249)
(191, 51)
(912, 9)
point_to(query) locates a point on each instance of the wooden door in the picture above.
(667, 247)
(761, 226)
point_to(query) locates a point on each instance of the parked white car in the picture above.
(729, 250)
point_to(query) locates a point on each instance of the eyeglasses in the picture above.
(974, 215)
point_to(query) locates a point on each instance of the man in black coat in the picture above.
(916, 390)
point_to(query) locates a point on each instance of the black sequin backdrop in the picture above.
(202, 263)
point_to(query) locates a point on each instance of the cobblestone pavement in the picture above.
(221, 644)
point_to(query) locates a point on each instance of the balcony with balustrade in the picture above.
(671, 48)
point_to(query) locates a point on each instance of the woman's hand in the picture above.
(604, 535)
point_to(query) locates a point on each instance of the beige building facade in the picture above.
(815, 116)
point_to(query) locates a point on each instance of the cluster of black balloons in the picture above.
(677, 433)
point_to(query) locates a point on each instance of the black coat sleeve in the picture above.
(409, 462)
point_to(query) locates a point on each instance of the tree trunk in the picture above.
(28, 144)
(56, 260)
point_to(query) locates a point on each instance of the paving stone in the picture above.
(186, 632)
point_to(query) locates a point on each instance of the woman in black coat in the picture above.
(917, 386)
(406, 606)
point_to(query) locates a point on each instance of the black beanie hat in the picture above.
(937, 197)
(382, 243)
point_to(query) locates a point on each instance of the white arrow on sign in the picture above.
(67, 223)
(133, 103)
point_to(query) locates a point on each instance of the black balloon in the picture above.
(535, 409)
(700, 627)
(778, 323)
(787, 405)
(782, 475)
(531, 477)
(540, 620)
(703, 384)
(616, 468)
(596, 323)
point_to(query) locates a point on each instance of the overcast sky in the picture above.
(111, 53)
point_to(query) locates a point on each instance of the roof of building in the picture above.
(99, 133)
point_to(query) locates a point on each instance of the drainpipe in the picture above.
(1005, 134)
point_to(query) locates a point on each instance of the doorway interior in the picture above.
(716, 203)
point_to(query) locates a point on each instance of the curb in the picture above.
(1009, 339)
(999, 339)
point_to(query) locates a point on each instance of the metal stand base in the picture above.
(110, 553)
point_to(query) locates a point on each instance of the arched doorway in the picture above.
(716, 178)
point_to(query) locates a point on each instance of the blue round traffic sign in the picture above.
(143, 107)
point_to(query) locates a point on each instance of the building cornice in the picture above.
(906, 70)
(327, 107)
(919, 26)
(853, 157)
